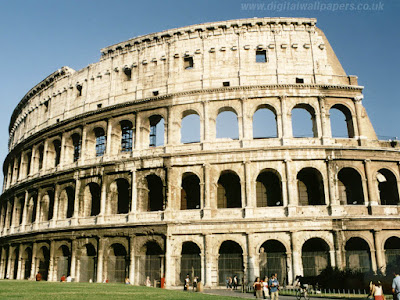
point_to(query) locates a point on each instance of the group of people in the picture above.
(232, 283)
(376, 290)
(186, 284)
(269, 287)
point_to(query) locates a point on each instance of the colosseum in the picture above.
(102, 181)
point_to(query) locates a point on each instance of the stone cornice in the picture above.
(212, 27)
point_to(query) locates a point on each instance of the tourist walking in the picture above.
(235, 282)
(273, 284)
(396, 286)
(265, 288)
(187, 283)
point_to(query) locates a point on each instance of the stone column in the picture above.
(373, 201)
(206, 126)
(207, 198)
(380, 257)
(296, 254)
(289, 265)
(333, 201)
(33, 264)
(45, 164)
(132, 255)
(134, 196)
(54, 219)
(242, 123)
(109, 138)
(248, 199)
(286, 123)
(170, 128)
(324, 117)
(51, 274)
(338, 244)
(2, 261)
(208, 260)
(138, 137)
(83, 146)
(74, 247)
(253, 269)
(100, 259)
(169, 262)
(19, 271)
(63, 151)
(291, 182)
(10, 262)
(76, 199)
(103, 200)
(25, 211)
(359, 110)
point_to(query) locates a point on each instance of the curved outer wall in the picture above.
(84, 182)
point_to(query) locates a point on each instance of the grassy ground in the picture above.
(12, 289)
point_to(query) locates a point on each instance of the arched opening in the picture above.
(303, 121)
(6, 258)
(230, 261)
(358, 256)
(31, 209)
(190, 261)
(154, 261)
(44, 261)
(88, 264)
(126, 136)
(392, 254)
(190, 192)
(41, 152)
(341, 121)
(63, 261)
(227, 124)
(315, 256)
(118, 263)
(19, 210)
(156, 131)
(100, 141)
(119, 197)
(46, 206)
(310, 187)
(264, 123)
(269, 189)
(28, 162)
(156, 193)
(57, 152)
(14, 260)
(66, 203)
(27, 262)
(77, 145)
(190, 128)
(350, 187)
(387, 185)
(90, 204)
(273, 260)
(229, 194)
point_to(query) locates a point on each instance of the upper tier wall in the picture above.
(154, 64)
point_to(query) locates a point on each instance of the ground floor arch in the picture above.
(190, 262)
(273, 260)
(63, 261)
(230, 261)
(87, 264)
(315, 256)
(117, 263)
(358, 255)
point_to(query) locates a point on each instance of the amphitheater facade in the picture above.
(100, 184)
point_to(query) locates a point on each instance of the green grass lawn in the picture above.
(12, 289)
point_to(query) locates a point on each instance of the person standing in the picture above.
(377, 291)
(235, 282)
(265, 288)
(396, 286)
(258, 288)
(187, 283)
(274, 287)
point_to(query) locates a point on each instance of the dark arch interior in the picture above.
(392, 243)
(230, 247)
(273, 246)
(387, 185)
(95, 192)
(190, 248)
(356, 243)
(123, 196)
(119, 250)
(229, 191)
(352, 184)
(311, 187)
(152, 248)
(269, 189)
(190, 196)
(71, 198)
(90, 250)
(156, 198)
(64, 250)
(315, 244)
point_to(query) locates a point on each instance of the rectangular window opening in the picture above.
(261, 56)
(155, 93)
(226, 83)
(188, 62)
(299, 80)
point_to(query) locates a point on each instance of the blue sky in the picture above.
(38, 37)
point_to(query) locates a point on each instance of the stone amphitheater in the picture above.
(100, 182)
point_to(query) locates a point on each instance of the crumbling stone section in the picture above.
(100, 183)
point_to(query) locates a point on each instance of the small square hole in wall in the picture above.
(188, 62)
(155, 93)
(226, 83)
(128, 73)
(299, 80)
(99, 105)
(261, 56)
(58, 120)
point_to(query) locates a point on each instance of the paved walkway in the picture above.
(238, 294)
